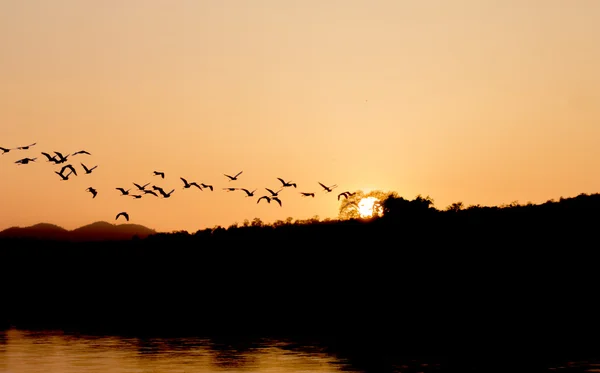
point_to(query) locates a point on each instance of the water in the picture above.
(24, 351)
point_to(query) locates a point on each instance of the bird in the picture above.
(166, 195)
(64, 177)
(93, 191)
(268, 199)
(61, 158)
(5, 150)
(276, 199)
(25, 161)
(286, 183)
(187, 185)
(231, 178)
(50, 158)
(206, 186)
(230, 189)
(344, 194)
(80, 152)
(274, 194)
(68, 167)
(141, 187)
(123, 214)
(304, 194)
(158, 173)
(26, 146)
(249, 193)
(328, 188)
(150, 192)
(136, 196)
(123, 191)
(88, 170)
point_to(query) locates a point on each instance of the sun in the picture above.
(366, 206)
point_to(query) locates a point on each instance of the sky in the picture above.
(479, 101)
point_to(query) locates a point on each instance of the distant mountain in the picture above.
(98, 231)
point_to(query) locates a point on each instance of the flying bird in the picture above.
(328, 188)
(274, 194)
(5, 150)
(158, 173)
(231, 178)
(276, 199)
(151, 192)
(249, 193)
(81, 152)
(26, 146)
(186, 185)
(344, 194)
(88, 170)
(286, 183)
(230, 189)
(25, 161)
(64, 177)
(268, 199)
(166, 195)
(136, 196)
(123, 191)
(68, 167)
(304, 194)
(206, 186)
(141, 187)
(50, 158)
(93, 191)
(123, 214)
(61, 158)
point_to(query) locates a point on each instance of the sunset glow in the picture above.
(483, 102)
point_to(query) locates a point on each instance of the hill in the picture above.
(98, 231)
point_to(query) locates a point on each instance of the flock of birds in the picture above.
(142, 190)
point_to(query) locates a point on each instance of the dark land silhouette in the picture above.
(97, 231)
(459, 281)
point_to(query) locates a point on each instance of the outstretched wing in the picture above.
(238, 174)
(321, 184)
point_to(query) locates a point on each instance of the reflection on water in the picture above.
(54, 351)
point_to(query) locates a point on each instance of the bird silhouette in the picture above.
(267, 198)
(206, 186)
(136, 196)
(304, 194)
(286, 184)
(81, 152)
(123, 214)
(274, 194)
(50, 158)
(186, 185)
(344, 194)
(151, 192)
(61, 158)
(231, 178)
(230, 189)
(158, 173)
(88, 170)
(5, 150)
(63, 177)
(25, 161)
(276, 199)
(123, 191)
(141, 187)
(93, 191)
(249, 193)
(68, 167)
(166, 195)
(328, 188)
(26, 146)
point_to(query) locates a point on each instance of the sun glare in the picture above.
(366, 206)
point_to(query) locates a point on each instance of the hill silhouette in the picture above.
(97, 231)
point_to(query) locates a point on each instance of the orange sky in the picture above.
(477, 101)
